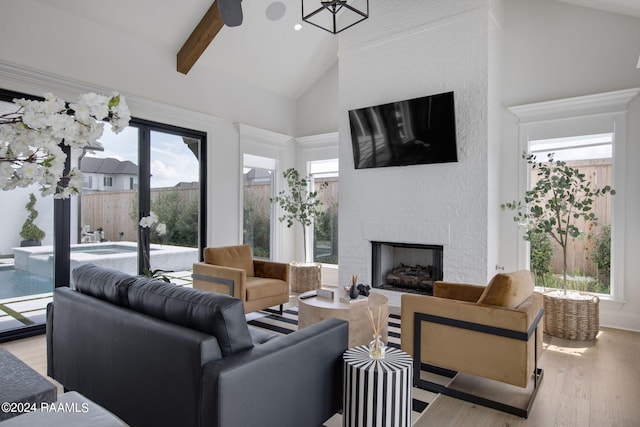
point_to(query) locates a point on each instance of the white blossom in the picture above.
(147, 221)
(161, 229)
(30, 139)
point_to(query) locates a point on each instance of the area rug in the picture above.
(288, 322)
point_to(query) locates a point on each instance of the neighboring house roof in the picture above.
(183, 184)
(108, 166)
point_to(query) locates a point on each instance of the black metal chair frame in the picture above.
(538, 373)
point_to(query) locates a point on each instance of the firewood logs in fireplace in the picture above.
(414, 277)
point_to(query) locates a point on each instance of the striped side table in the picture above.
(377, 392)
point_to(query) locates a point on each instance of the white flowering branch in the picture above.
(148, 222)
(32, 136)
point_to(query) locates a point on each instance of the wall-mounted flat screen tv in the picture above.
(412, 132)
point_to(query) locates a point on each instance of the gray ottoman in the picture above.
(21, 385)
(71, 410)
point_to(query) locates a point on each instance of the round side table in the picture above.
(377, 392)
(315, 310)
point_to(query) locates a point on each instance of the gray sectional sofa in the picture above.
(157, 354)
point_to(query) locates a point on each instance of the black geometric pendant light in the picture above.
(334, 16)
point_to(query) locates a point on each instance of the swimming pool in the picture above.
(105, 250)
(20, 283)
(123, 256)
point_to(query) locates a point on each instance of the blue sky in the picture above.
(171, 160)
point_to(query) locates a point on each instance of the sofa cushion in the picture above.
(216, 314)
(239, 256)
(262, 287)
(508, 289)
(103, 283)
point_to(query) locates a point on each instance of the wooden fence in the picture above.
(579, 251)
(116, 212)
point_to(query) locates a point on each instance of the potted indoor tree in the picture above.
(301, 205)
(31, 234)
(561, 196)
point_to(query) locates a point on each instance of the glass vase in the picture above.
(377, 348)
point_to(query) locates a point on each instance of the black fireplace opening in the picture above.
(406, 267)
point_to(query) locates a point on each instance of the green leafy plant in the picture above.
(298, 203)
(29, 230)
(181, 219)
(601, 254)
(541, 252)
(326, 232)
(561, 196)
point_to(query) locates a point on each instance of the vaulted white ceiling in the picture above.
(623, 7)
(267, 53)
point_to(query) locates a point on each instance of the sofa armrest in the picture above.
(271, 270)
(119, 359)
(220, 279)
(457, 291)
(290, 380)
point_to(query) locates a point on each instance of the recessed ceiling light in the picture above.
(297, 27)
(275, 11)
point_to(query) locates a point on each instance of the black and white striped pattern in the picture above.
(377, 393)
(288, 322)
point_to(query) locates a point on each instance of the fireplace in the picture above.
(406, 267)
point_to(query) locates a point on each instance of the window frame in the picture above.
(581, 115)
(319, 175)
(62, 216)
(270, 145)
(273, 168)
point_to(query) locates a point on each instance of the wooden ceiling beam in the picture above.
(200, 38)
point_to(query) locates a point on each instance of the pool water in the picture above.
(105, 249)
(19, 283)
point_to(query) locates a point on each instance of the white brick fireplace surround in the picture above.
(434, 48)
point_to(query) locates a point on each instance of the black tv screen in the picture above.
(412, 132)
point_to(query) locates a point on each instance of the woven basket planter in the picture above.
(573, 319)
(305, 277)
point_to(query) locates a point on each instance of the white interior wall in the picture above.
(53, 51)
(551, 51)
(45, 38)
(317, 109)
(421, 49)
(554, 51)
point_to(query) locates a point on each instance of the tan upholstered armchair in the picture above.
(491, 331)
(232, 270)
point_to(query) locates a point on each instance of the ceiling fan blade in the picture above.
(231, 12)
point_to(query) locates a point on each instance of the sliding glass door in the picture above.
(149, 169)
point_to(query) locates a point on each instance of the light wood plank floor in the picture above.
(586, 384)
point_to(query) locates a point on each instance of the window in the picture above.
(101, 220)
(325, 226)
(591, 130)
(257, 209)
(588, 258)
(165, 161)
